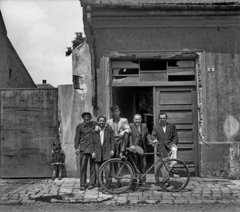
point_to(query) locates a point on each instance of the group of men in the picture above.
(99, 141)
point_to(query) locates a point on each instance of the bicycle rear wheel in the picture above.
(116, 176)
(172, 175)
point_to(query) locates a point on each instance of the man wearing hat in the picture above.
(121, 130)
(83, 139)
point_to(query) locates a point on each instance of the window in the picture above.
(153, 70)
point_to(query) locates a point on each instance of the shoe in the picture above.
(165, 183)
(143, 184)
(83, 188)
(100, 189)
(53, 178)
(59, 178)
(91, 187)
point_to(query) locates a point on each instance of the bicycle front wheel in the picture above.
(116, 176)
(172, 175)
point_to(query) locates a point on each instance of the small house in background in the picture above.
(44, 85)
(180, 57)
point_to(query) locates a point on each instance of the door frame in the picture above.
(105, 66)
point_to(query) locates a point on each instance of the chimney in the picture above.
(44, 82)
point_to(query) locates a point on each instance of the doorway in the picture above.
(136, 100)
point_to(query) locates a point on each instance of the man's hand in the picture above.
(111, 153)
(77, 151)
(154, 142)
(132, 148)
(173, 148)
(121, 134)
(93, 155)
(97, 128)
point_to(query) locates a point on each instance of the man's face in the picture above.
(137, 120)
(101, 122)
(163, 120)
(86, 119)
(116, 113)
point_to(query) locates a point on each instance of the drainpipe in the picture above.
(93, 56)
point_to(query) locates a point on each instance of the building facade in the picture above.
(13, 73)
(178, 57)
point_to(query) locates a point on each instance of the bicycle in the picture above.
(117, 176)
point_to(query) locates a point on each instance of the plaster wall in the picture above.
(72, 103)
(216, 34)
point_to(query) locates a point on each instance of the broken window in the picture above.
(153, 70)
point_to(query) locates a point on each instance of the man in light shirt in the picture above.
(102, 144)
(165, 134)
(121, 131)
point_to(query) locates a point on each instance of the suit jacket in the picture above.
(166, 139)
(135, 136)
(102, 151)
(122, 126)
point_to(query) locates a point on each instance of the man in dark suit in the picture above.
(139, 138)
(165, 134)
(83, 140)
(102, 144)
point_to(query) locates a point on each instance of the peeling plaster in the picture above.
(231, 127)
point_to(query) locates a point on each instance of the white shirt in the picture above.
(164, 128)
(102, 135)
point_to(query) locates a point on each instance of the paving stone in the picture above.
(28, 201)
(133, 198)
(196, 201)
(180, 201)
(176, 194)
(110, 202)
(134, 201)
(123, 195)
(158, 193)
(13, 198)
(167, 198)
(186, 194)
(90, 200)
(12, 202)
(151, 201)
(166, 201)
(135, 194)
(143, 197)
(65, 190)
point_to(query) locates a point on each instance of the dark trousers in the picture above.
(106, 171)
(84, 157)
(140, 161)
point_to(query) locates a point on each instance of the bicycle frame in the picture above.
(161, 160)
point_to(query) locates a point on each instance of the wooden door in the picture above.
(180, 105)
(29, 125)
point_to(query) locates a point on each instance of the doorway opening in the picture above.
(136, 100)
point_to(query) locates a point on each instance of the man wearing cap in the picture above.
(83, 139)
(121, 130)
(139, 140)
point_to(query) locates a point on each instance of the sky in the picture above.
(40, 31)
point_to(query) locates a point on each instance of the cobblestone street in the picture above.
(35, 191)
(63, 207)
